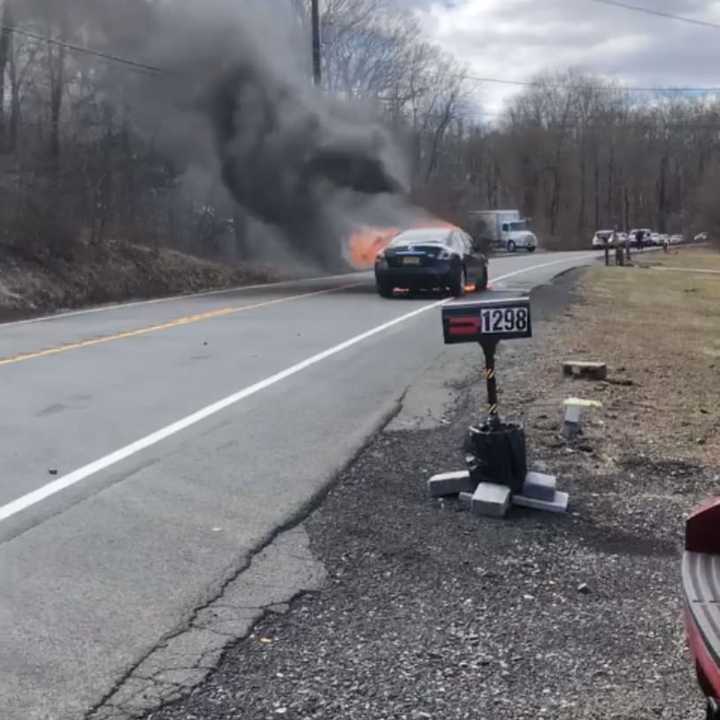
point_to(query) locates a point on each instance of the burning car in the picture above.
(431, 258)
(701, 587)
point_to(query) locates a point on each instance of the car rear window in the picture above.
(421, 236)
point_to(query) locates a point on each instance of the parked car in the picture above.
(601, 237)
(431, 258)
(676, 239)
(701, 237)
(701, 587)
(655, 239)
(646, 236)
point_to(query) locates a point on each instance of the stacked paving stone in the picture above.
(488, 499)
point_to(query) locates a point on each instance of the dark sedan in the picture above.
(431, 259)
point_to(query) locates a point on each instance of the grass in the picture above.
(688, 257)
(663, 328)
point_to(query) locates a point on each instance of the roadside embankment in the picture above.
(113, 273)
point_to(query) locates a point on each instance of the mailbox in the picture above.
(502, 316)
(495, 449)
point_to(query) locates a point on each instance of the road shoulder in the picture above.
(428, 612)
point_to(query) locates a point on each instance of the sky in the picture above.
(516, 39)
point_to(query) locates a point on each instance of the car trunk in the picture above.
(701, 586)
(415, 255)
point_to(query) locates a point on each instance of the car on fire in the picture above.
(701, 586)
(431, 259)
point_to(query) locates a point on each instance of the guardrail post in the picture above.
(619, 255)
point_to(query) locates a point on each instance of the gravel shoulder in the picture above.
(429, 612)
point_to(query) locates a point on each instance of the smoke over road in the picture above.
(235, 98)
(295, 159)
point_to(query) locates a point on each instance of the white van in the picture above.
(503, 229)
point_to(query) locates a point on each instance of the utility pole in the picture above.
(317, 59)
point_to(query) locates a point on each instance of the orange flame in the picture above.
(366, 242)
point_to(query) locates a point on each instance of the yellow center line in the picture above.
(179, 322)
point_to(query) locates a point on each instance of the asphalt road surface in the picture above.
(147, 450)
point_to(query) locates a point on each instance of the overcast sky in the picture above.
(515, 39)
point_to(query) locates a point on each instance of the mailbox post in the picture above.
(502, 316)
(496, 450)
(489, 347)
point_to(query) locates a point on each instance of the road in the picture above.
(148, 450)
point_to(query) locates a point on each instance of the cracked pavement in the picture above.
(141, 472)
(282, 570)
(429, 613)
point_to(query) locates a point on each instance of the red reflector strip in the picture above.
(463, 326)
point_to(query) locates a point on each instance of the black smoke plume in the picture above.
(235, 98)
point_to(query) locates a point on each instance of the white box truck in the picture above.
(503, 229)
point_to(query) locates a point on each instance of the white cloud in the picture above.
(516, 39)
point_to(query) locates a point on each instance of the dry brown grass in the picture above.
(661, 329)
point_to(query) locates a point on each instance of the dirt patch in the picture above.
(659, 332)
(114, 273)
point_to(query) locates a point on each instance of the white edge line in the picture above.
(171, 298)
(66, 481)
(86, 471)
(544, 265)
(210, 293)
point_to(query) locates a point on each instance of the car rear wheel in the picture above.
(511, 246)
(458, 285)
(384, 290)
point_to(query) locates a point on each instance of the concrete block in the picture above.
(451, 483)
(573, 414)
(585, 370)
(491, 500)
(540, 486)
(559, 504)
(465, 499)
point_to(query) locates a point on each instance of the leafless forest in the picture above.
(573, 152)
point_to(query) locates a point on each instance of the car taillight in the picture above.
(702, 531)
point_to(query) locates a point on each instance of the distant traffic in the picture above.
(641, 237)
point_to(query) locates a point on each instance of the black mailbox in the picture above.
(502, 316)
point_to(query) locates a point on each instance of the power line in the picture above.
(81, 49)
(659, 13)
(602, 88)
(136, 65)
(631, 123)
